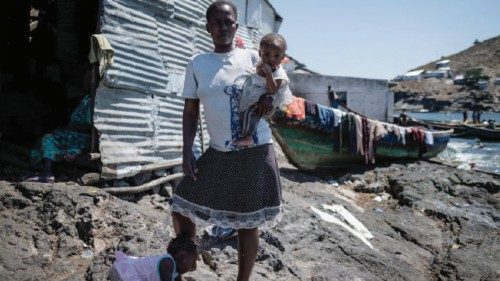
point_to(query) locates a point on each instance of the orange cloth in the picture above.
(296, 109)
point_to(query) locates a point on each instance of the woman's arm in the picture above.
(189, 125)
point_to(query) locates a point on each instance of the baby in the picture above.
(180, 258)
(268, 79)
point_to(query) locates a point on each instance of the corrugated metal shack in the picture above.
(138, 108)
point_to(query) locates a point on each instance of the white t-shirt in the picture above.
(216, 79)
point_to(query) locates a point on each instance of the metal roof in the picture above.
(415, 72)
(443, 62)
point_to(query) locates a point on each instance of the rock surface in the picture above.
(439, 223)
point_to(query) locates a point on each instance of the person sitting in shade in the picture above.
(65, 143)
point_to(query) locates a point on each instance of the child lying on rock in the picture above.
(180, 258)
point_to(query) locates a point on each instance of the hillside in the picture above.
(440, 94)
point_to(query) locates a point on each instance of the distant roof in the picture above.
(443, 62)
(414, 72)
(301, 66)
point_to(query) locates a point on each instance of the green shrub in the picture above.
(474, 75)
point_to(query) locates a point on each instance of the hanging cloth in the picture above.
(101, 52)
(296, 109)
(429, 138)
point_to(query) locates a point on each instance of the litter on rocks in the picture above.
(357, 229)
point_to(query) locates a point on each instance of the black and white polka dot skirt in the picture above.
(238, 189)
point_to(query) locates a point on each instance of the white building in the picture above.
(414, 75)
(369, 97)
(443, 65)
(435, 74)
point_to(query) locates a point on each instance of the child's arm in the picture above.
(272, 85)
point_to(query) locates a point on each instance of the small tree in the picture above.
(474, 75)
(476, 42)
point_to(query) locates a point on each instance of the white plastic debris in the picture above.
(329, 218)
(350, 219)
(87, 254)
(333, 182)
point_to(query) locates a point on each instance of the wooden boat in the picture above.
(310, 149)
(483, 133)
(459, 129)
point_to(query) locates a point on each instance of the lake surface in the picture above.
(463, 152)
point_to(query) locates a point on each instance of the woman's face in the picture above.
(222, 25)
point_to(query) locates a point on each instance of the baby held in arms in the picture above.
(268, 80)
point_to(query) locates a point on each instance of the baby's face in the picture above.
(271, 55)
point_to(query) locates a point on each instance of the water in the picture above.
(463, 152)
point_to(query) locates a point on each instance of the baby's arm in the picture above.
(272, 85)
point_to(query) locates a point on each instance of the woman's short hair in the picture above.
(219, 3)
(273, 40)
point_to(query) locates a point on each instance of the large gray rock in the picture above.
(442, 224)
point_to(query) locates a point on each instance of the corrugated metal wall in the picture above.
(138, 110)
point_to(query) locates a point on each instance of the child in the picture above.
(268, 79)
(180, 258)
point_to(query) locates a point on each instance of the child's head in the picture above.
(185, 252)
(221, 22)
(272, 49)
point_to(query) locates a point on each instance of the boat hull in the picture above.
(484, 133)
(462, 130)
(310, 149)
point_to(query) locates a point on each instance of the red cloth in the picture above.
(239, 42)
(296, 109)
(418, 135)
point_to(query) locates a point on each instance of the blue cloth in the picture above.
(326, 119)
(65, 144)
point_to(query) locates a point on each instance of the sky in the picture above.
(382, 38)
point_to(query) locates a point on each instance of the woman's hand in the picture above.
(189, 164)
(264, 105)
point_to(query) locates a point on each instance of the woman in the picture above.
(226, 187)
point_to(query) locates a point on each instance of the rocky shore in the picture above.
(439, 95)
(428, 221)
